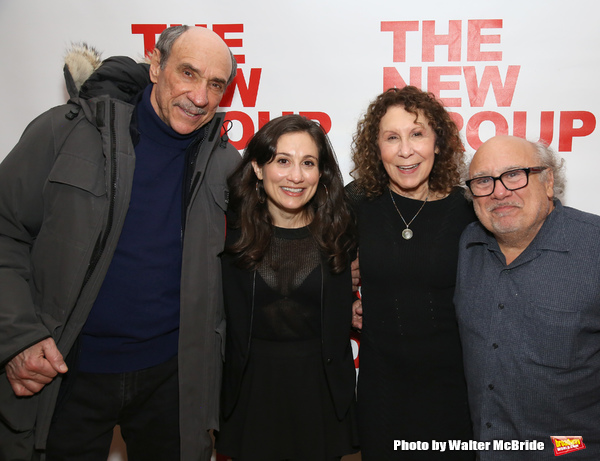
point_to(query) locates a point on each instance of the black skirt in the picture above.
(285, 411)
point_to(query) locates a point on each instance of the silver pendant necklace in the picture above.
(407, 234)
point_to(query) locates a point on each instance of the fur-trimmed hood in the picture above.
(81, 61)
(86, 75)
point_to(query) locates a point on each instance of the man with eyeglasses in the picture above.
(528, 306)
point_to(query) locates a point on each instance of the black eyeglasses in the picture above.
(511, 180)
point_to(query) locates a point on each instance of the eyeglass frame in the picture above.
(528, 171)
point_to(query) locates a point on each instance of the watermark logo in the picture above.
(564, 444)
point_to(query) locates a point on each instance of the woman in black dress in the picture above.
(407, 154)
(289, 378)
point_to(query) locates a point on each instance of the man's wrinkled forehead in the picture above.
(500, 154)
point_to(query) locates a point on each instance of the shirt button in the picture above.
(495, 346)
(491, 387)
(488, 425)
(500, 306)
(328, 361)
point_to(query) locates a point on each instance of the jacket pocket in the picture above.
(78, 172)
(220, 194)
(18, 413)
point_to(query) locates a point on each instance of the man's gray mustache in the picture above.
(500, 205)
(190, 108)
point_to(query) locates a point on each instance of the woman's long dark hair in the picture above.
(332, 222)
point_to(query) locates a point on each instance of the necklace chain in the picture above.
(407, 233)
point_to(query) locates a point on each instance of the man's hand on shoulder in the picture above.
(35, 367)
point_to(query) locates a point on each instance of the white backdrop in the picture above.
(525, 67)
(494, 63)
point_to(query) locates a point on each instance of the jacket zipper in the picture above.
(102, 239)
(189, 185)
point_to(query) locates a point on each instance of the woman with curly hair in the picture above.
(411, 212)
(289, 378)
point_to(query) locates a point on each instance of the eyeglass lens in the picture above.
(512, 180)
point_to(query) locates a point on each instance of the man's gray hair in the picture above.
(550, 159)
(165, 45)
(546, 157)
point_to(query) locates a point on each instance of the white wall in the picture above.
(331, 58)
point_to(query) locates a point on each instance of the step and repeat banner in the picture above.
(525, 68)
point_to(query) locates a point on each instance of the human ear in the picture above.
(155, 66)
(550, 184)
(257, 170)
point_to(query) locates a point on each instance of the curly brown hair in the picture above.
(369, 172)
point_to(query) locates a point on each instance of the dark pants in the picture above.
(145, 404)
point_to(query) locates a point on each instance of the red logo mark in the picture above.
(564, 444)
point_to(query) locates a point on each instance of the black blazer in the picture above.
(336, 320)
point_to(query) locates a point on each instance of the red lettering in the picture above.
(568, 130)
(475, 40)
(546, 126)
(452, 40)
(572, 124)
(222, 29)
(149, 32)
(491, 77)
(457, 119)
(248, 92)
(247, 128)
(321, 117)
(500, 124)
(435, 84)
(392, 78)
(399, 29)
(477, 91)
(263, 118)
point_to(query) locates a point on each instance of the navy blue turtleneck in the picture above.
(134, 323)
